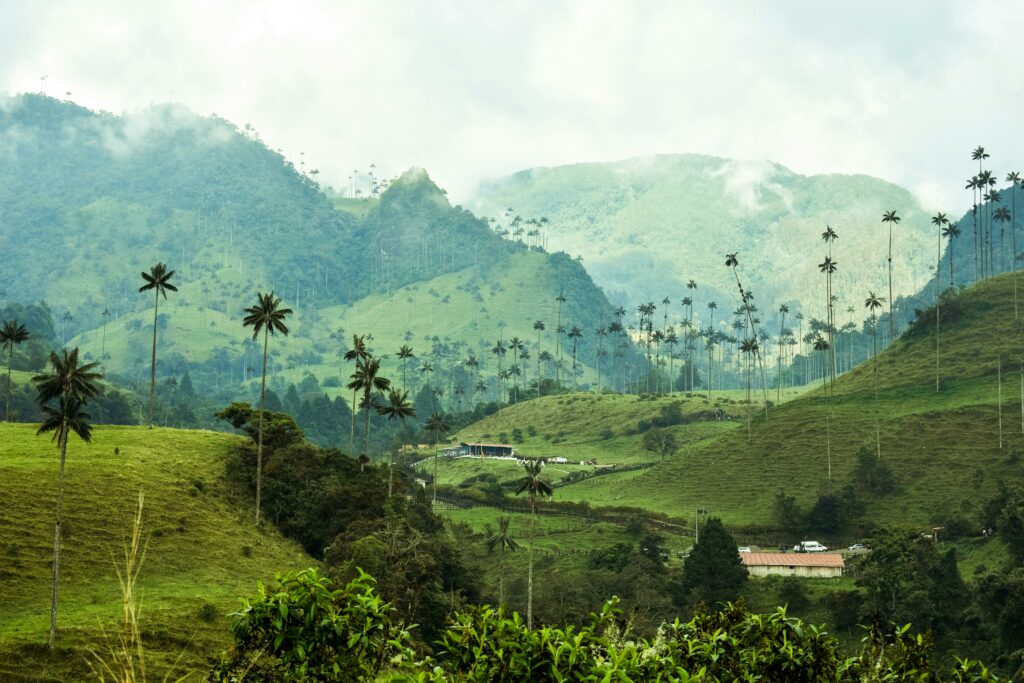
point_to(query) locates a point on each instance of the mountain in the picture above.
(88, 199)
(646, 226)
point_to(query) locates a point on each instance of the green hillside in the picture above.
(645, 226)
(202, 550)
(943, 447)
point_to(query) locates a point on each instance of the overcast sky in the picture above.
(897, 89)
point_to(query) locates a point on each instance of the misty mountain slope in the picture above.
(88, 199)
(645, 226)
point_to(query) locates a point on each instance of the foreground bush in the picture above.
(306, 630)
(483, 645)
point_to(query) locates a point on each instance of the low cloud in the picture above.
(897, 90)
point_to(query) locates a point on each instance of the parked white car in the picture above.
(809, 547)
(744, 548)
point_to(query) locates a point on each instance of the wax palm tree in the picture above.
(950, 232)
(973, 184)
(438, 427)
(398, 407)
(499, 350)
(539, 326)
(731, 261)
(980, 184)
(268, 317)
(502, 540)
(535, 488)
(11, 334)
(748, 347)
(368, 380)
(1002, 216)
(70, 386)
(1013, 177)
(873, 302)
(709, 345)
(103, 344)
(830, 236)
(357, 354)
(574, 333)
(405, 353)
(940, 221)
(158, 279)
(516, 344)
(558, 337)
(890, 218)
(829, 267)
(783, 310)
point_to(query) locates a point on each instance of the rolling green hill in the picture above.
(202, 550)
(943, 447)
(645, 226)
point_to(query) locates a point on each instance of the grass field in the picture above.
(202, 547)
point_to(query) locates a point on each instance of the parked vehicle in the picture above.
(809, 547)
(858, 546)
(744, 548)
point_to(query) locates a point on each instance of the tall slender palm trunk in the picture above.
(7, 407)
(352, 432)
(259, 428)
(891, 319)
(152, 366)
(59, 515)
(529, 571)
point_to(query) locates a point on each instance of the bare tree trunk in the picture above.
(55, 581)
(259, 429)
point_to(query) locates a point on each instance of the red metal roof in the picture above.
(792, 559)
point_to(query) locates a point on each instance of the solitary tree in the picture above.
(367, 379)
(539, 326)
(11, 335)
(891, 219)
(713, 572)
(157, 279)
(535, 487)
(438, 426)
(400, 408)
(405, 353)
(266, 316)
(357, 353)
(950, 232)
(502, 540)
(61, 394)
(575, 333)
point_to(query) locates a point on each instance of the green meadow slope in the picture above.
(943, 447)
(202, 550)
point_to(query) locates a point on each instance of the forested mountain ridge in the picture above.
(646, 226)
(115, 194)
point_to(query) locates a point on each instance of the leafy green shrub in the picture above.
(307, 629)
(793, 594)
(484, 645)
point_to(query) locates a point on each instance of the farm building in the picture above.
(810, 565)
(488, 450)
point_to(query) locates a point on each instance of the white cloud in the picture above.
(469, 90)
